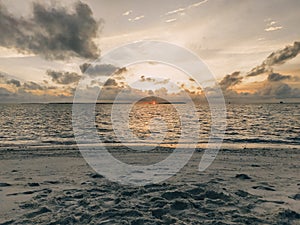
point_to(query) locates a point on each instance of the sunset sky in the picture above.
(250, 46)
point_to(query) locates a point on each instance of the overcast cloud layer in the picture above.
(59, 42)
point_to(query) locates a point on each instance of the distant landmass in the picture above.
(151, 100)
(157, 100)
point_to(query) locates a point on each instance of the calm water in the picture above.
(24, 125)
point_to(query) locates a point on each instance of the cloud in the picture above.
(278, 90)
(276, 58)
(111, 83)
(272, 23)
(148, 79)
(153, 80)
(99, 69)
(61, 77)
(281, 56)
(14, 82)
(271, 88)
(13, 90)
(231, 80)
(127, 13)
(30, 85)
(150, 92)
(273, 28)
(136, 18)
(170, 20)
(6, 79)
(5, 93)
(84, 67)
(30, 95)
(165, 81)
(179, 10)
(198, 3)
(55, 33)
(278, 77)
(120, 71)
(263, 68)
(162, 92)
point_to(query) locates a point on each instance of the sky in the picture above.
(252, 48)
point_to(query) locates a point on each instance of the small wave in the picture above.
(258, 140)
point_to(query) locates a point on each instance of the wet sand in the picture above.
(245, 186)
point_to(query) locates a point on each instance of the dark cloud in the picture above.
(276, 58)
(150, 92)
(6, 79)
(153, 80)
(26, 92)
(84, 67)
(263, 68)
(56, 33)
(278, 77)
(33, 86)
(111, 83)
(231, 80)
(281, 56)
(121, 70)
(4, 92)
(148, 79)
(60, 77)
(277, 90)
(14, 82)
(273, 86)
(99, 70)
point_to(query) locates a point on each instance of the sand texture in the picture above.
(241, 187)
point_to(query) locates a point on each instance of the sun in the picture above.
(153, 102)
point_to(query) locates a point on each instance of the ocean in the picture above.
(44, 180)
(248, 125)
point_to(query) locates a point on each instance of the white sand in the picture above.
(241, 187)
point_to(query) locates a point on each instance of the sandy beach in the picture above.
(243, 186)
(149, 112)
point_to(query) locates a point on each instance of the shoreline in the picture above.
(200, 146)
